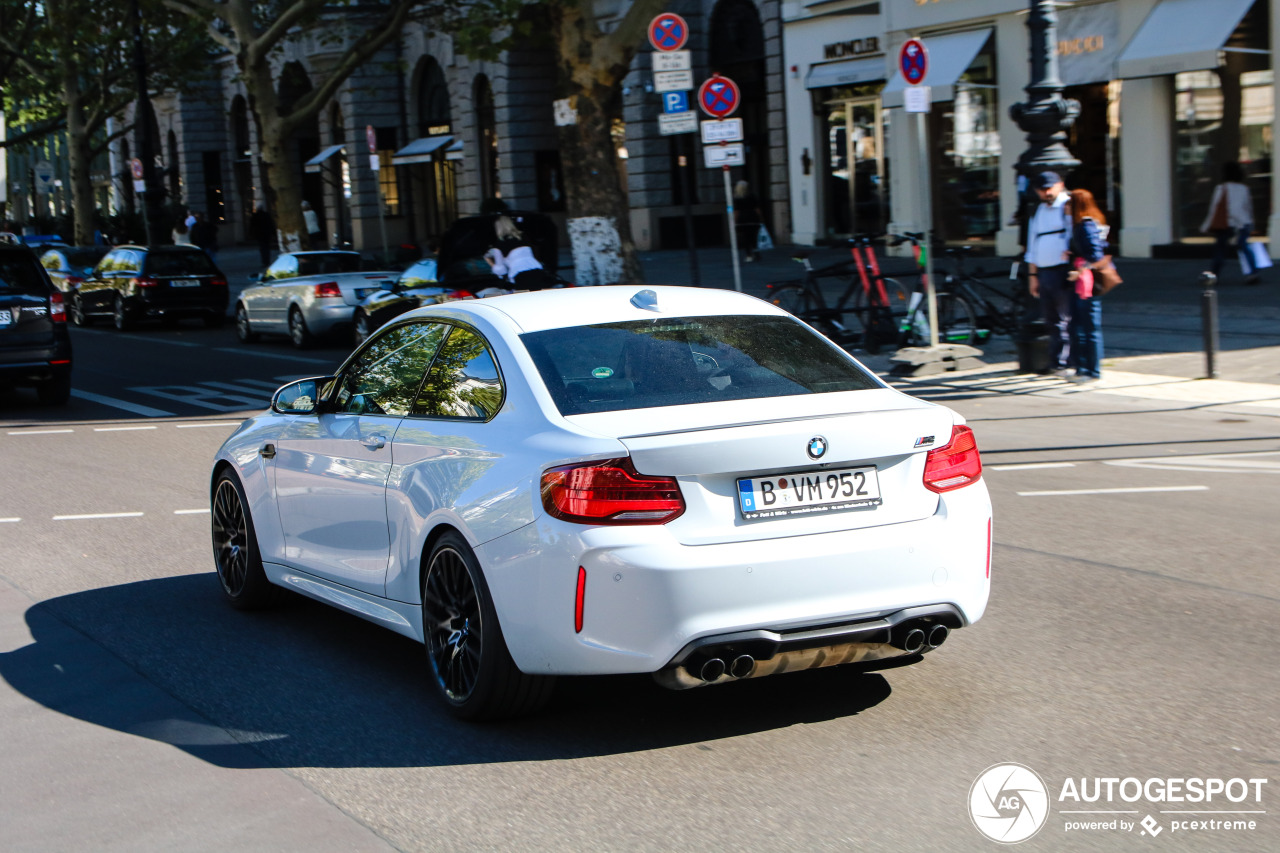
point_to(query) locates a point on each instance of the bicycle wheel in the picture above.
(792, 298)
(876, 325)
(957, 323)
(798, 300)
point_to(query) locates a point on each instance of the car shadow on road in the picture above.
(306, 685)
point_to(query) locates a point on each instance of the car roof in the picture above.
(567, 307)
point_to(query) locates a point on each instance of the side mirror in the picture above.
(255, 277)
(302, 397)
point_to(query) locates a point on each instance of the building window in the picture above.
(966, 155)
(388, 175)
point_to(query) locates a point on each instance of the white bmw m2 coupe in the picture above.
(678, 481)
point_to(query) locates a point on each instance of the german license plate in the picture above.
(779, 495)
(184, 282)
(6, 318)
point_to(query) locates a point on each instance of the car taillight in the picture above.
(218, 282)
(610, 492)
(143, 281)
(73, 280)
(955, 465)
(57, 307)
(328, 288)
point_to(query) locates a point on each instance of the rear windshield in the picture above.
(84, 257)
(22, 273)
(180, 263)
(675, 362)
(328, 263)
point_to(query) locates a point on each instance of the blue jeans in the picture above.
(1056, 294)
(1221, 242)
(1086, 336)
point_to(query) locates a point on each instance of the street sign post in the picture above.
(675, 102)
(45, 176)
(728, 130)
(913, 63)
(135, 168)
(725, 155)
(668, 32)
(719, 96)
(371, 138)
(673, 60)
(673, 123)
(672, 81)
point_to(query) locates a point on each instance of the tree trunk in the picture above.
(78, 160)
(591, 69)
(282, 191)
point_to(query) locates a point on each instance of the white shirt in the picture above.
(311, 221)
(1239, 205)
(520, 259)
(1049, 233)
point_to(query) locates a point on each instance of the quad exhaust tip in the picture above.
(742, 666)
(712, 669)
(938, 635)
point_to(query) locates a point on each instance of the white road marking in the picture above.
(228, 386)
(270, 386)
(273, 354)
(1029, 466)
(122, 429)
(202, 397)
(137, 409)
(189, 511)
(211, 424)
(1262, 462)
(9, 520)
(97, 515)
(1115, 491)
(39, 431)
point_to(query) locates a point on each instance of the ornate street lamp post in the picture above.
(152, 211)
(1046, 115)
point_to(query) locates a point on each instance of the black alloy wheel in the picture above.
(243, 331)
(235, 548)
(470, 664)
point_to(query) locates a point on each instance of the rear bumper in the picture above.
(324, 318)
(649, 599)
(167, 305)
(36, 364)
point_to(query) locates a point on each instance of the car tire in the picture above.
(55, 391)
(467, 657)
(298, 331)
(78, 317)
(120, 315)
(362, 330)
(235, 548)
(244, 331)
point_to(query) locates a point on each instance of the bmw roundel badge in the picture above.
(817, 447)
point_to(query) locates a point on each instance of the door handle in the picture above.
(374, 442)
(267, 451)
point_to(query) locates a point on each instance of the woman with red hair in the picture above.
(1089, 246)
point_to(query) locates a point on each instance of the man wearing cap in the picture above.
(1048, 262)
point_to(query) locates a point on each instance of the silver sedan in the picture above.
(306, 295)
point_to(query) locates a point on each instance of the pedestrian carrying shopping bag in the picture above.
(763, 240)
(1258, 255)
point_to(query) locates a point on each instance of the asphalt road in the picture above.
(1130, 634)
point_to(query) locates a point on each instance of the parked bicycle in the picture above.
(869, 311)
(970, 308)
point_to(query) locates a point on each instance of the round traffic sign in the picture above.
(135, 166)
(372, 138)
(913, 61)
(718, 96)
(668, 31)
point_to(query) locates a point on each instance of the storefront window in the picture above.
(966, 155)
(1223, 115)
(854, 167)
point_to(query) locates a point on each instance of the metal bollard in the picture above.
(1209, 322)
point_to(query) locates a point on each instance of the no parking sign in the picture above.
(719, 96)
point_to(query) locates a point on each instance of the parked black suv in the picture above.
(35, 348)
(135, 282)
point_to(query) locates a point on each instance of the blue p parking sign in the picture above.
(675, 102)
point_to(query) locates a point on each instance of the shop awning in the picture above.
(421, 150)
(1181, 35)
(313, 165)
(846, 73)
(949, 56)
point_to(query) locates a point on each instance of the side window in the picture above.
(129, 261)
(285, 266)
(52, 261)
(108, 263)
(463, 381)
(420, 274)
(385, 375)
